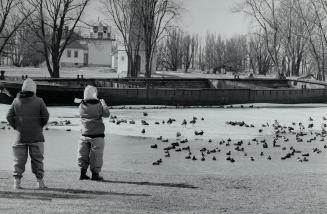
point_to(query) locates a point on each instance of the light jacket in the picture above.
(91, 113)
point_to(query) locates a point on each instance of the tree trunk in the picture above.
(56, 69)
(148, 64)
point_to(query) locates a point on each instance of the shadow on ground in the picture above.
(175, 185)
(60, 193)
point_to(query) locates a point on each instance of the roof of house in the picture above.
(77, 45)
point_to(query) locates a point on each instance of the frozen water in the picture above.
(213, 125)
(127, 149)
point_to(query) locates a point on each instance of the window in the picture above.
(95, 29)
(69, 53)
(76, 54)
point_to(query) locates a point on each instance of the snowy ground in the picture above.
(88, 72)
(178, 185)
(105, 72)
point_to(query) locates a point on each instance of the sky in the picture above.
(216, 16)
(199, 17)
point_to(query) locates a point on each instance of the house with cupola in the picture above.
(94, 49)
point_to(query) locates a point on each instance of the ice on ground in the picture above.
(214, 123)
(127, 149)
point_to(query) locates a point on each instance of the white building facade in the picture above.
(94, 50)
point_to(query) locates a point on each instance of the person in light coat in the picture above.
(28, 115)
(91, 145)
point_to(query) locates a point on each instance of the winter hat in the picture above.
(29, 85)
(90, 93)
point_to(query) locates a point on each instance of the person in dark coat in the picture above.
(28, 115)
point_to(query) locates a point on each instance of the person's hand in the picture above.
(103, 102)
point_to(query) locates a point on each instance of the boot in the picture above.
(96, 177)
(40, 184)
(17, 183)
(83, 175)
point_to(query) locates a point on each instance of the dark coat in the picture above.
(28, 115)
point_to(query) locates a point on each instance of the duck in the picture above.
(159, 138)
(145, 114)
(178, 134)
(144, 123)
(154, 146)
(156, 163)
(167, 155)
(176, 144)
(188, 157)
(265, 145)
(203, 150)
(186, 148)
(214, 158)
(194, 158)
(199, 133)
(184, 141)
(143, 131)
(269, 157)
(184, 123)
(193, 121)
(132, 122)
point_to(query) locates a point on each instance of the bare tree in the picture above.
(260, 61)
(308, 12)
(265, 14)
(125, 19)
(170, 52)
(188, 51)
(155, 17)
(236, 53)
(13, 14)
(54, 23)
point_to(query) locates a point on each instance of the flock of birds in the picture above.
(285, 140)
